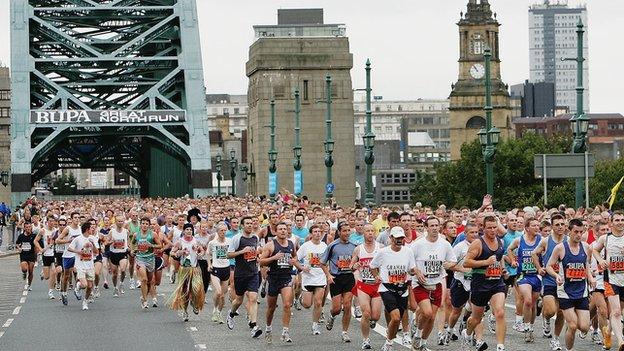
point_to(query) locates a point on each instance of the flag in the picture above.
(614, 191)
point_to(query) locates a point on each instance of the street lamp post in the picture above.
(488, 136)
(4, 178)
(272, 156)
(233, 164)
(369, 142)
(580, 121)
(219, 176)
(298, 175)
(329, 142)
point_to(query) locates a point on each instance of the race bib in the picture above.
(315, 260)
(344, 263)
(119, 244)
(494, 271)
(86, 255)
(616, 264)
(398, 279)
(284, 261)
(143, 246)
(250, 256)
(26, 247)
(221, 252)
(432, 269)
(528, 266)
(575, 272)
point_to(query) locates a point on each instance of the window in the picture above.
(5, 94)
(305, 90)
(377, 129)
(5, 112)
(226, 111)
(377, 109)
(236, 110)
(389, 129)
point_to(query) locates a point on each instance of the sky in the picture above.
(412, 44)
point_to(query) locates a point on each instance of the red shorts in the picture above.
(421, 293)
(369, 289)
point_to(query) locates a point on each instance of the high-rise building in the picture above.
(5, 124)
(298, 53)
(553, 37)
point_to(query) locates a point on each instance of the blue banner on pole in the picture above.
(298, 182)
(330, 187)
(272, 183)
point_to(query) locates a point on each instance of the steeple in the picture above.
(478, 12)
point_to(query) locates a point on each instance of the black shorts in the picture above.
(106, 252)
(47, 260)
(223, 273)
(116, 257)
(58, 259)
(343, 283)
(160, 263)
(482, 298)
(28, 258)
(98, 258)
(167, 252)
(246, 284)
(394, 301)
(277, 283)
(577, 304)
(549, 290)
(511, 280)
(449, 279)
(312, 288)
(459, 295)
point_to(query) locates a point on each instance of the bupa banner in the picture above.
(106, 116)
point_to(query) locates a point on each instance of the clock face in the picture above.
(477, 71)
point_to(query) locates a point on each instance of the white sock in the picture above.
(519, 319)
(418, 333)
(268, 328)
(78, 286)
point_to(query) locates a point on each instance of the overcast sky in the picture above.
(413, 44)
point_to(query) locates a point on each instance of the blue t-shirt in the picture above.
(356, 238)
(459, 238)
(509, 237)
(338, 254)
(301, 233)
(230, 234)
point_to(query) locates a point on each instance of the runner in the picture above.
(25, 244)
(432, 254)
(146, 243)
(391, 266)
(219, 267)
(190, 285)
(85, 247)
(47, 236)
(313, 279)
(485, 258)
(598, 304)
(133, 225)
(68, 234)
(529, 284)
(118, 239)
(366, 285)
(103, 234)
(572, 290)
(244, 249)
(613, 245)
(159, 260)
(58, 252)
(278, 255)
(337, 267)
(540, 256)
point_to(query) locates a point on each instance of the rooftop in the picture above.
(566, 117)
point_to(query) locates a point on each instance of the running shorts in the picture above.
(276, 284)
(578, 304)
(68, 262)
(223, 273)
(482, 298)
(343, 283)
(434, 295)
(459, 295)
(369, 289)
(48, 260)
(88, 274)
(394, 301)
(116, 257)
(246, 284)
(532, 280)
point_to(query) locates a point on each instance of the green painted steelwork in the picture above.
(167, 176)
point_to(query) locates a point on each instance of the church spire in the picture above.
(479, 12)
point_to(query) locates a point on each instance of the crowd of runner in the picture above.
(435, 275)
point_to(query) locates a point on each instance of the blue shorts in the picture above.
(533, 281)
(459, 295)
(276, 284)
(577, 304)
(246, 284)
(68, 263)
(549, 290)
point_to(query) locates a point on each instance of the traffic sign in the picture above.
(298, 182)
(561, 166)
(329, 187)
(272, 184)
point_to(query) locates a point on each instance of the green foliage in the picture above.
(64, 185)
(463, 183)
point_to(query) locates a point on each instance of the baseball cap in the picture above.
(397, 232)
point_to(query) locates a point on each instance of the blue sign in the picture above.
(272, 183)
(329, 187)
(298, 182)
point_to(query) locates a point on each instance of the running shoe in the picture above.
(116, 292)
(555, 345)
(322, 317)
(366, 345)
(77, 293)
(105, 285)
(256, 332)
(286, 337)
(138, 284)
(220, 321)
(215, 316)
(186, 316)
(195, 310)
(481, 345)
(518, 326)
(96, 292)
(546, 327)
(50, 295)
(230, 321)
(440, 338)
(372, 324)
(28, 287)
(466, 340)
(263, 289)
(315, 329)
(386, 347)
(85, 305)
(454, 335)
(492, 324)
(582, 335)
(64, 299)
(209, 287)
(268, 337)
(132, 284)
(345, 337)
(447, 336)
(121, 289)
(144, 305)
(57, 287)
(330, 323)
(528, 336)
(500, 348)
(357, 312)
(154, 302)
(297, 305)
(596, 339)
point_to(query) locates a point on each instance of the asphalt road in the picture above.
(29, 321)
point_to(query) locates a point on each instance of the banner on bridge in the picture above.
(106, 116)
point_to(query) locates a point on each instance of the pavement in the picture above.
(29, 321)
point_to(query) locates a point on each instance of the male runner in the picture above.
(68, 234)
(47, 237)
(85, 247)
(118, 257)
(25, 244)
(313, 279)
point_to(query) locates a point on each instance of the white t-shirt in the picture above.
(429, 257)
(393, 266)
(71, 235)
(86, 246)
(119, 240)
(191, 254)
(48, 241)
(219, 250)
(311, 254)
(460, 250)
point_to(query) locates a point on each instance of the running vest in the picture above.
(282, 267)
(48, 242)
(364, 259)
(574, 274)
(490, 277)
(246, 264)
(547, 280)
(119, 240)
(144, 249)
(72, 234)
(190, 259)
(525, 261)
(614, 247)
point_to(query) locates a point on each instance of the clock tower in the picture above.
(478, 29)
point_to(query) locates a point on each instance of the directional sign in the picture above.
(298, 182)
(272, 183)
(329, 187)
(560, 166)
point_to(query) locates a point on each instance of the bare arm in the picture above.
(535, 256)
(511, 256)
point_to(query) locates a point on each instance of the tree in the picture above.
(64, 185)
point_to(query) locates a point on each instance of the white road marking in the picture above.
(7, 323)
(1, 333)
(25, 293)
(193, 329)
(201, 346)
(23, 300)
(17, 309)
